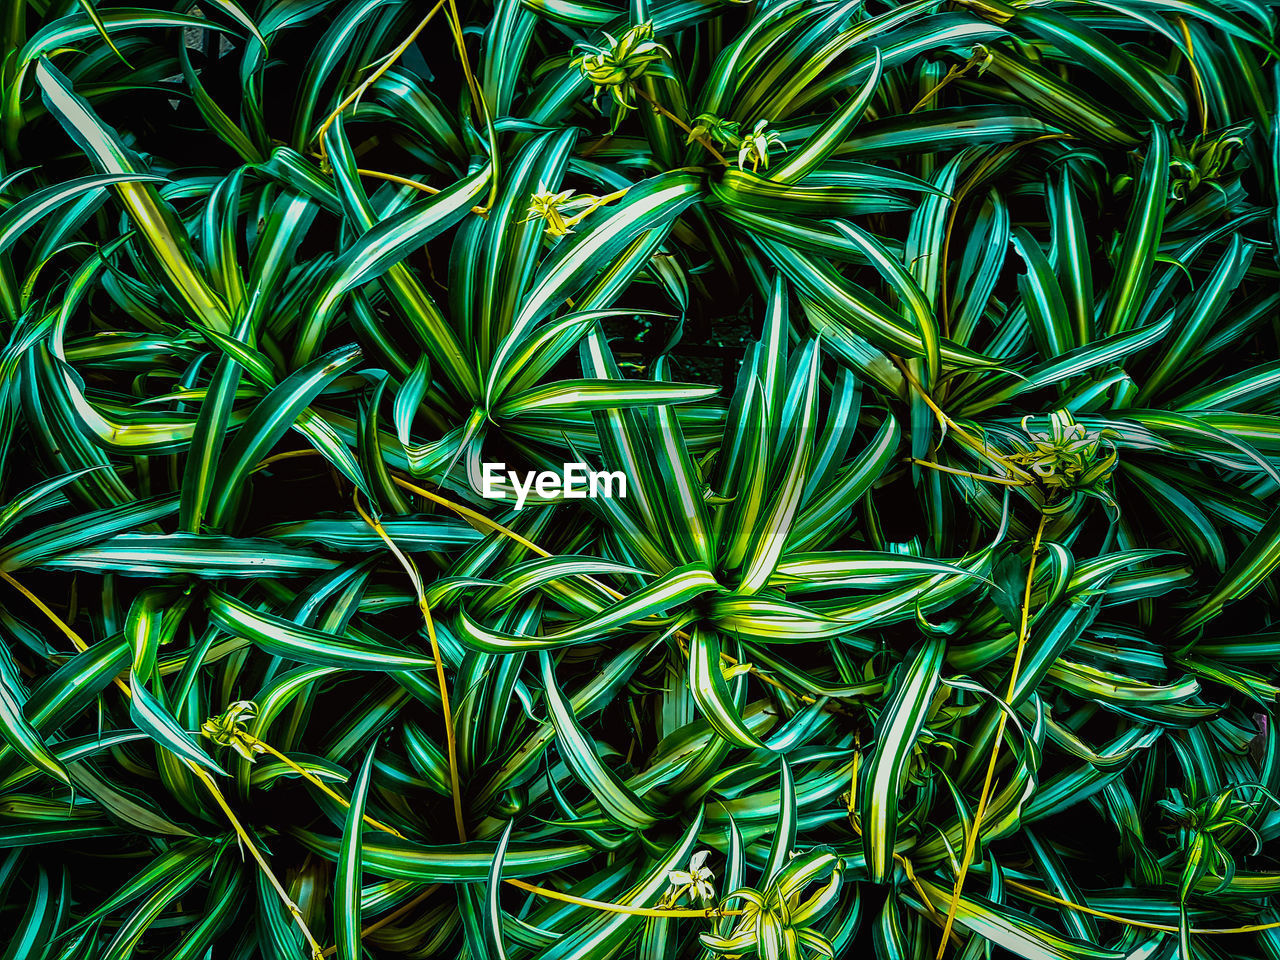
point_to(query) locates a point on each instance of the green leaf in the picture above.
(883, 780)
(346, 902)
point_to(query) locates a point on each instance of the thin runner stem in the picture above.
(424, 608)
(659, 108)
(315, 781)
(971, 839)
(1197, 81)
(709, 913)
(406, 182)
(317, 951)
(369, 81)
(195, 769)
(1130, 922)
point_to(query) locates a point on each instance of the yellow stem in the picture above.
(477, 101)
(659, 108)
(1201, 103)
(317, 782)
(76, 640)
(405, 181)
(965, 473)
(476, 517)
(952, 74)
(373, 77)
(709, 913)
(972, 838)
(477, 97)
(287, 455)
(938, 412)
(977, 446)
(455, 28)
(391, 917)
(243, 834)
(450, 740)
(1128, 921)
(599, 202)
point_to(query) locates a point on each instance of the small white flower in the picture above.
(696, 882)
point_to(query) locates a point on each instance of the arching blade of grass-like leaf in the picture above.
(30, 210)
(1254, 564)
(193, 555)
(154, 718)
(1141, 236)
(39, 922)
(1042, 297)
(29, 498)
(293, 641)
(48, 542)
(782, 846)
(225, 898)
(207, 442)
(178, 860)
(1073, 363)
(833, 504)
(270, 420)
(450, 863)
(682, 483)
(605, 935)
(75, 684)
(1217, 15)
(213, 114)
(1126, 75)
(17, 730)
(1208, 307)
(236, 13)
(493, 897)
(578, 750)
(774, 529)
(883, 777)
(347, 880)
(1012, 930)
(1054, 98)
(650, 204)
(908, 291)
(677, 587)
(711, 691)
(827, 138)
(1071, 245)
(947, 128)
(567, 395)
(323, 436)
(414, 303)
(123, 945)
(154, 218)
(385, 246)
(860, 311)
(540, 349)
(747, 465)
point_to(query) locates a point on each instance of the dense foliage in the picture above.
(938, 344)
